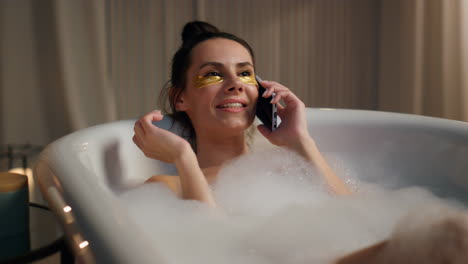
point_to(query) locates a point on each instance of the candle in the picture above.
(14, 211)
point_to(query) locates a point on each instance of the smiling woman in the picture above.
(213, 93)
(193, 34)
(221, 89)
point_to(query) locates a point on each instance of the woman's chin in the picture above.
(236, 126)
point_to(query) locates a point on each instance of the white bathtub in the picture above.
(85, 169)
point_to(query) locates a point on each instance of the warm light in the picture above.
(67, 209)
(22, 171)
(327, 109)
(84, 244)
(32, 191)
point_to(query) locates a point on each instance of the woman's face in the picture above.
(221, 90)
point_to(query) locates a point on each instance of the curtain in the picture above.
(54, 69)
(71, 65)
(142, 36)
(324, 50)
(423, 58)
(89, 62)
(66, 65)
(20, 116)
(81, 42)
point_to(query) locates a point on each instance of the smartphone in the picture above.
(266, 111)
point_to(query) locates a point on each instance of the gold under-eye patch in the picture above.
(202, 81)
(249, 80)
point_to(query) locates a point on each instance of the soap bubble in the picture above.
(274, 207)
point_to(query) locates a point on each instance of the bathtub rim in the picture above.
(47, 169)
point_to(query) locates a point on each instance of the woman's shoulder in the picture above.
(171, 181)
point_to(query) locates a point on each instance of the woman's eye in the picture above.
(245, 73)
(212, 74)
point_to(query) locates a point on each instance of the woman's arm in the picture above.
(192, 180)
(163, 145)
(172, 182)
(308, 149)
(293, 133)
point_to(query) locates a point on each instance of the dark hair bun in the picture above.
(195, 28)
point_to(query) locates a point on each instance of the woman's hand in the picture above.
(163, 145)
(292, 132)
(158, 143)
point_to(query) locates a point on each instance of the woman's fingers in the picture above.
(270, 88)
(280, 91)
(292, 114)
(138, 128)
(137, 142)
(287, 96)
(149, 118)
(280, 109)
(144, 126)
(279, 95)
(157, 143)
(264, 130)
(292, 102)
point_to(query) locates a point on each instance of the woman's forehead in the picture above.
(224, 51)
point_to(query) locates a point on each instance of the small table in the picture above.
(46, 238)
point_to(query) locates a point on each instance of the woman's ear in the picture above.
(181, 104)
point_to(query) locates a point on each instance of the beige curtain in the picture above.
(423, 57)
(53, 68)
(20, 115)
(81, 38)
(67, 65)
(142, 36)
(324, 50)
(89, 62)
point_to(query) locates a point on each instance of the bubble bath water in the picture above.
(274, 208)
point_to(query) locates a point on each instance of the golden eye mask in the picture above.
(249, 80)
(202, 81)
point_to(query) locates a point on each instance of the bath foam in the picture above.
(434, 234)
(274, 208)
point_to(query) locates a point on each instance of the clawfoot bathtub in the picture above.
(80, 174)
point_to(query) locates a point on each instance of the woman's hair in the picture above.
(193, 33)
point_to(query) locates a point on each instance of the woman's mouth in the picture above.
(232, 106)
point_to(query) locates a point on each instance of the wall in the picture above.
(324, 50)
(21, 112)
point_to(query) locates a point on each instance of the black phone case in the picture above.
(265, 111)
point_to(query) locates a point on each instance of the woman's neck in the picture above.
(214, 151)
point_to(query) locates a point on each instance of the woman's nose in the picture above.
(234, 85)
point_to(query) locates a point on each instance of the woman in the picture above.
(213, 92)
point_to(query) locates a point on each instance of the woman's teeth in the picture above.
(231, 105)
